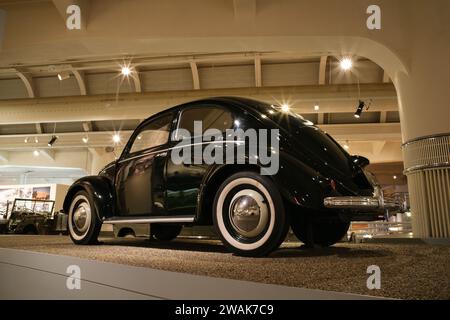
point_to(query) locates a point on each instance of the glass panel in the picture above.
(154, 134)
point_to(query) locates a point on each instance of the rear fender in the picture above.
(301, 185)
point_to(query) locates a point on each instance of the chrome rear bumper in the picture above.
(364, 203)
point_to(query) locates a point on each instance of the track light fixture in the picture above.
(63, 75)
(52, 141)
(360, 108)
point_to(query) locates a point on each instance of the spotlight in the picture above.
(316, 107)
(116, 138)
(52, 141)
(63, 75)
(346, 64)
(25, 140)
(139, 137)
(85, 139)
(359, 109)
(346, 146)
(395, 177)
(285, 107)
(36, 153)
(126, 71)
(36, 140)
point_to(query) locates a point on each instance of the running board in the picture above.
(146, 220)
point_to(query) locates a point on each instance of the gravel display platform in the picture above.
(408, 271)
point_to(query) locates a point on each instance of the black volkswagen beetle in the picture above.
(316, 189)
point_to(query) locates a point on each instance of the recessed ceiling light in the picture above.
(25, 140)
(116, 138)
(35, 153)
(36, 140)
(395, 177)
(346, 146)
(316, 107)
(285, 107)
(346, 64)
(126, 71)
(85, 139)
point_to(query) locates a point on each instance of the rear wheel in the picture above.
(84, 224)
(323, 233)
(249, 214)
(165, 232)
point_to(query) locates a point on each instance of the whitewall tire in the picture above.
(249, 215)
(83, 222)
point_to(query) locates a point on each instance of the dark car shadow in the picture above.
(342, 252)
(218, 247)
(179, 244)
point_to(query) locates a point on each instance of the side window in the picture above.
(154, 134)
(211, 118)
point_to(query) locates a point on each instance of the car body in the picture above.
(317, 186)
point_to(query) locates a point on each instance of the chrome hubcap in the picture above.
(248, 213)
(80, 216)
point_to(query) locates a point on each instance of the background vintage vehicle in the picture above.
(31, 216)
(318, 189)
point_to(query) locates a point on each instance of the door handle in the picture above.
(162, 154)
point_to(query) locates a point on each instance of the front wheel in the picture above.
(322, 233)
(83, 221)
(249, 214)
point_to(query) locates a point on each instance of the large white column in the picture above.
(424, 96)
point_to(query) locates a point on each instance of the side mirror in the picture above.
(360, 161)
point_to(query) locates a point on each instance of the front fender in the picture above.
(99, 188)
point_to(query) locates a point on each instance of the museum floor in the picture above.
(408, 270)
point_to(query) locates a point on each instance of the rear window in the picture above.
(211, 118)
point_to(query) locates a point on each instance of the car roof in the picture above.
(227, 100)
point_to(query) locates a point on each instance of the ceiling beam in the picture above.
(39, 128)
(364, 131)
(27, 80)
(195, 76)
(81, 80)
(98, 139)
(386, 78)
(162, 61)
(332, 98)
(87, 126)
(322, 69)
(320, 118)
(258, 74)
(136, 80)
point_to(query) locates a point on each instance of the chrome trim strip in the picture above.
(178, 147)
(146, 220)
(429, 137)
